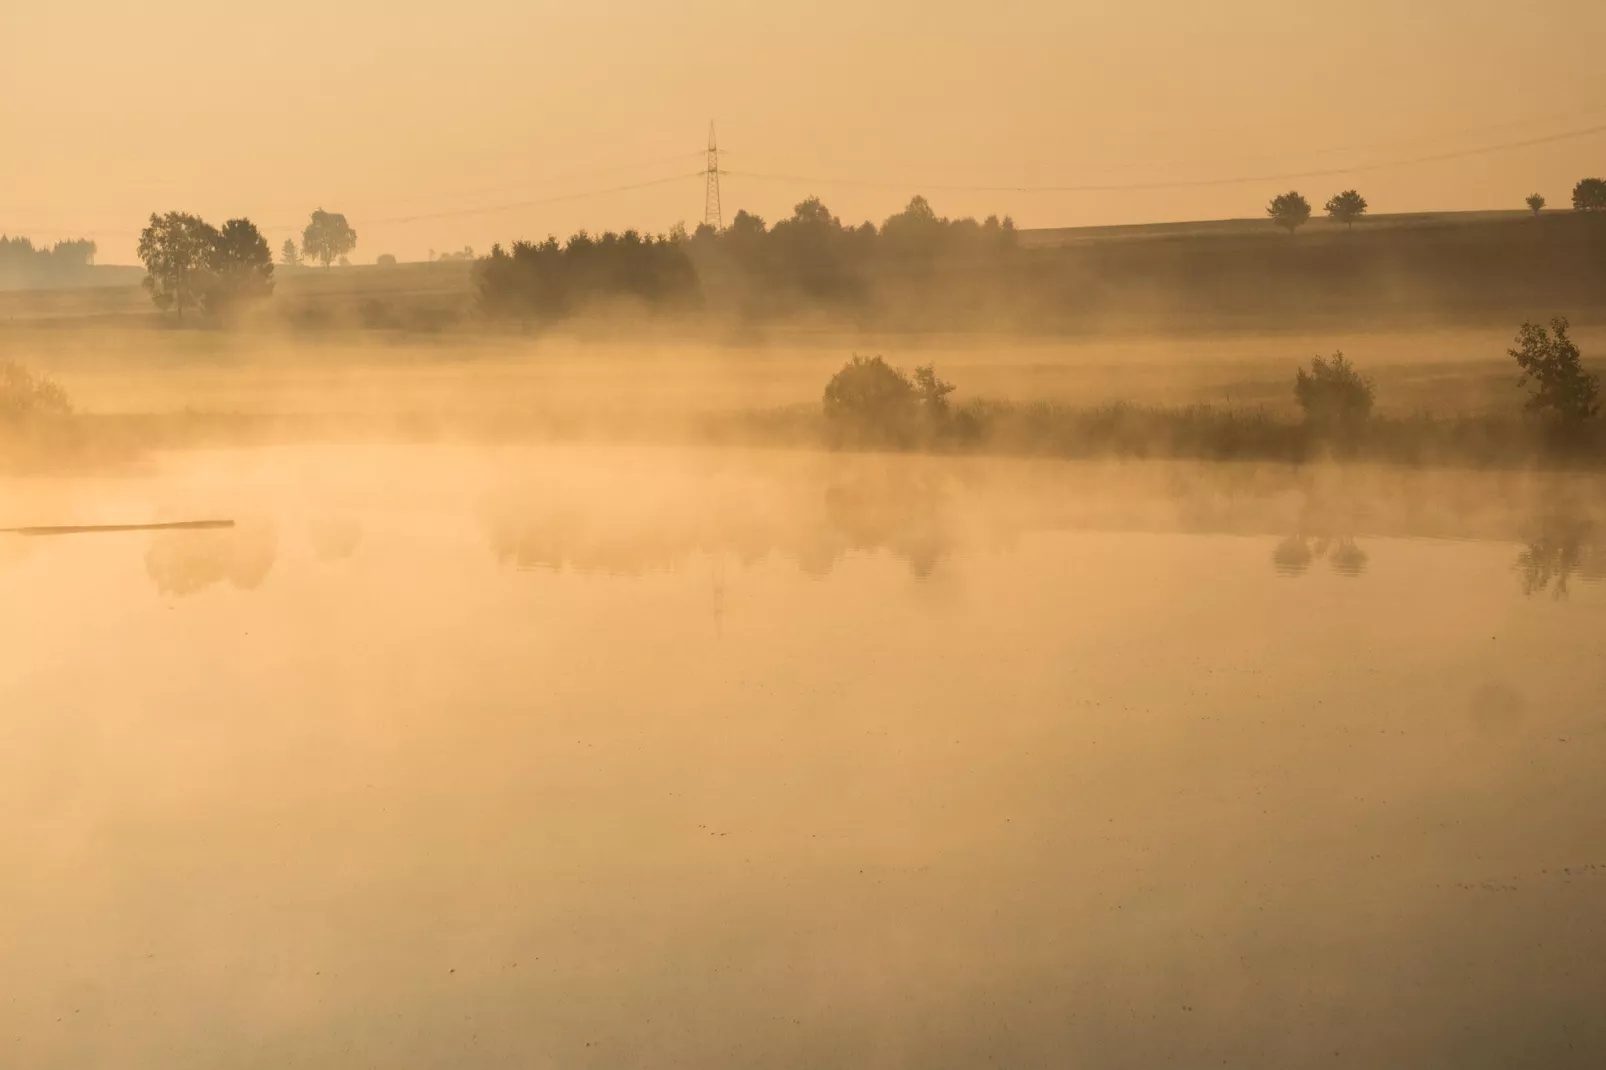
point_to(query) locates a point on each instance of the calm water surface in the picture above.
(594, 757)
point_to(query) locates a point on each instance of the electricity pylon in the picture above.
(712, 215)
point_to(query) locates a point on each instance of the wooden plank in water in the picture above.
(97, 529)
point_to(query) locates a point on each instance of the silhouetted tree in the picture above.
(289, 255)
(327, 237)
(1590, 195)
(1563, 390)
(176, 249)
(1346, 207)
(1536, 203)
(240, 267)
(917, 232)
(386, 260)
(1289, 210)
(1333, 394)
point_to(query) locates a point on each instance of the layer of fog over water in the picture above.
(583, 755)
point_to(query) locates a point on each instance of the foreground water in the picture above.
(580, 756)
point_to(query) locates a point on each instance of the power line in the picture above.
(568, 176)
(1181, 183)
(580, 195)
(447, 214)
(1328, 150)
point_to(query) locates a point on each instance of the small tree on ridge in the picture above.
(1289, 210)
(1536, 203)
(1346, 207)
(1590, 195)
(327, 238)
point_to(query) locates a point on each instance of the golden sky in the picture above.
(435, 125)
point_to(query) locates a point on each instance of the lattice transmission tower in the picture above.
(712, 214)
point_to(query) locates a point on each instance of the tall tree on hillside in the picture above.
(327, 238)
(1536, 203)
(1346, 207)
(1289, 210)
(1590, 195)
(176, 249)
(240, 267)
(289, 255)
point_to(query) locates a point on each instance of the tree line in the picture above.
(809, 259)
(1291, 210)
(22, 261)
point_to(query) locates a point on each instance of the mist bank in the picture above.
(939, 276)
(977, 428)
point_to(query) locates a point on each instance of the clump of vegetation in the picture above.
(1535, 203)
(1289, 210)
(26, 395)
(871, 403)
(1562, 389)
(1332, 394)
(1346, 207)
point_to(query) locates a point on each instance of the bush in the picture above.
(1563, 390)
(869, 402)
(24, 394)
(1333, 394)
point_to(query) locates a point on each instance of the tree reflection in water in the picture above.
(183, 563)
(1565, 543)
(896, 505)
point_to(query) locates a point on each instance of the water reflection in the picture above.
(1565, 542)
(1295, 554)
(183, 563)
(1330, 513)
(814, 521)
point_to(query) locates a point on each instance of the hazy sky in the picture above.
(391, 110)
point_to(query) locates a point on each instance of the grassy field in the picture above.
(116, 369)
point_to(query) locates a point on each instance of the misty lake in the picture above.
(590, 756)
